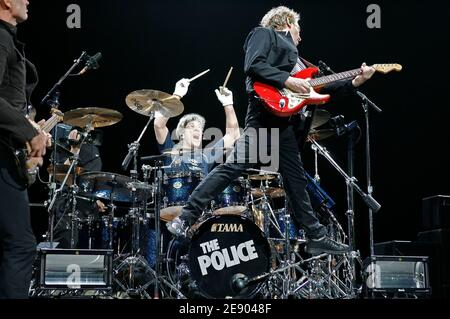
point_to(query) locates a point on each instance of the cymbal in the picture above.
(262, 177)
(61, 171)
(273, 192)
(320, 118)
(92, 116)
(147, 101)
(319, 135)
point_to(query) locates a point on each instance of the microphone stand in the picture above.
(52, 99)
(55, 87)
(366, 103)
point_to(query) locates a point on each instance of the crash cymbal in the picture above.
(320, 118)
(92, 117)
(319, 135)
(147, 101)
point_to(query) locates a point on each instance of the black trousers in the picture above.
(245, 156)
(17, 241)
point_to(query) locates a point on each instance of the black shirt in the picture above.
(18, 77)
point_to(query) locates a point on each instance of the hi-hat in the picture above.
(92, 117)
(147, 101)
(262, 177)
(273, 192)
(320, 118)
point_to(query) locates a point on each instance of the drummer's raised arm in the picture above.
(160, 122)
(160, 127)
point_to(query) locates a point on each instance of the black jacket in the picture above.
(270, 57)
(18, 77)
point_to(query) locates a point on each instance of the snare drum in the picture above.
(233, 200)
(224, 247)
(177, 187)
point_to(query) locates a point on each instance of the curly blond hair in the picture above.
(276, 18)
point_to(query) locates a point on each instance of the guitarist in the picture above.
(271, 57)
(17, 79)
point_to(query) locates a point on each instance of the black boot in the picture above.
(325, 245)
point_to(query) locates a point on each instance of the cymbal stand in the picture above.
(316, 166)
(133, 148)
(74, 191)
(134, 261)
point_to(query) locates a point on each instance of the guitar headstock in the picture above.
(387, 67)
(58, 114)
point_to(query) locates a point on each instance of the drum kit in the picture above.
(245, 244)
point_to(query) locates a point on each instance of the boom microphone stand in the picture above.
(366, 103)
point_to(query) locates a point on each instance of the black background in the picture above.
(152, 44)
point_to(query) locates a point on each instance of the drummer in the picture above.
(187, 154)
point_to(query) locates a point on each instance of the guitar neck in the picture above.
(324, 80)
(50, 123)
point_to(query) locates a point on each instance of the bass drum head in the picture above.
(223, 248)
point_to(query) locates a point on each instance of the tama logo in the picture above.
(227, 228)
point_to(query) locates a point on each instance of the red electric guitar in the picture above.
(286, 102)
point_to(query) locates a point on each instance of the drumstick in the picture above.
(198, 75)
(227, 78)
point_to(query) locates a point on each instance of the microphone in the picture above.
(92, 63)
(239, 282)
(324, 67)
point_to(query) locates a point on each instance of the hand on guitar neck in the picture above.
(37, 147)
(366, 73)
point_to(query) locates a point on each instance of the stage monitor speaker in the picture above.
(436, 212)
(74, 269)
(396, 277)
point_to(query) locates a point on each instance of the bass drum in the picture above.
(223, 248)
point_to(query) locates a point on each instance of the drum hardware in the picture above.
(134, 281)
(157, 274)
(71, 171)
(368, 200)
